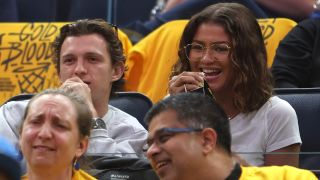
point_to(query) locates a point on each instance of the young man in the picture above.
(189, 138)
(90, 62)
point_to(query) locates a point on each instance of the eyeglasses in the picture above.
(163, 135)
(196, 51)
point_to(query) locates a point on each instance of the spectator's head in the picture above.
(91, 50)
(236, 51)
(9, 161)
(55, 131)
(185, 132)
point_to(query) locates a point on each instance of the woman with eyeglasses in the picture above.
(222, 48)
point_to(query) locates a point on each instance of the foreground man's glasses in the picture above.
(163, 135)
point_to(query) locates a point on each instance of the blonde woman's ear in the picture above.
(83, 146)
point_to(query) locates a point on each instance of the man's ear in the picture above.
(118, 70)
(83, 146)
(209, 140)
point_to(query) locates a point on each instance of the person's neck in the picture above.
(49, 174)
(221, 166)
(226, 102)
(101, 107)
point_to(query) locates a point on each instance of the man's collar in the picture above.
(235, 173)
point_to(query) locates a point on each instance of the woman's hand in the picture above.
(186, 81)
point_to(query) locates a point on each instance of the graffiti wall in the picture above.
(26, 63)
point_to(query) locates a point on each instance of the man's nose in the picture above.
(153, 150)
(80, 67)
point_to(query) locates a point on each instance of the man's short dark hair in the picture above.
(93, 26)
(196, 111)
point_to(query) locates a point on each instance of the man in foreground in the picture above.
(189, 138)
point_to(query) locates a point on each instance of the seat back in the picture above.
(150, 61)
(19, 97)
(306, 103)
(129, 168)
(273, 31)
(133, 103)
(26, 62)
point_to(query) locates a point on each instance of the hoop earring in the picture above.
(76, 165)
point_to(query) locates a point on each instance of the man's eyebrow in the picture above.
(198, 42)
(92, 53)
(67, 55)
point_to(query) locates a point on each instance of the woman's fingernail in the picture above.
(201, 74)
(201, 84)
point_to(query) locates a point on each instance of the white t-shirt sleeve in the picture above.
(11, 115)
(282, 127)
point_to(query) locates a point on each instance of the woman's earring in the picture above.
(76, 165)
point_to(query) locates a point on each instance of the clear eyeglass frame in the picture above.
(196, 51)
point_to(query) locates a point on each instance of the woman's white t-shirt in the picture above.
(272, 127)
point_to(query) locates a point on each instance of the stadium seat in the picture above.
(273, 31)
(133, 103)
(306, 102)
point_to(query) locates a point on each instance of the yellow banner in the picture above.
(26, 63)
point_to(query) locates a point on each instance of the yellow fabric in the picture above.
(26, 64)
(150, 61)
(273, 31)
(81, 175)
(77, 175)
(276, 172)
(126, 43)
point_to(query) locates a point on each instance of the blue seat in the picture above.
(306, 102)
(123, 11)
(133, 103)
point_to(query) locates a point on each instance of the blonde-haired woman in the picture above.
(54, 134)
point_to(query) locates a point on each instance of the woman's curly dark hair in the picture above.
(253, 83)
